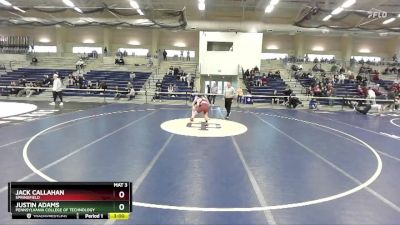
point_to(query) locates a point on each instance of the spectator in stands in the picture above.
(264, 81)
(103, 85)
(170, 90)
(57, 90)
(118, 94)
(165, 55)
(34, 60)
(341, 78)
(79, 64)
(105, 50)
(46, 81)
(229, 94)
(150, 63)
(131, 93)
(132, 76)
(372, 96)
(317, 91)
(158, 85)
(71, 80)
(351, 77)
(188, 56)
(239, 94)
(129, 85)
(90, 84)
(13, 91)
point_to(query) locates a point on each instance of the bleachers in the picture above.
(272, 85)
(181, 87)
(113, 79)
(31, 75)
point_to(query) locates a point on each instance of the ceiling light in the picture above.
(201, 1)
(134, 4)
(398, 15)
(202, 6)
(326, 18)
(180, 44)
(269, 8)
(337, 11)
(140, 12)
(4, 2)
(69, 3)
(78, 10)
(274, 2)
(318, 49)
(44, 40)
(88, 41)
(16, 8)
(348, 3)
(272, 47)
(134, 43)
(364, 50)
(389, 20)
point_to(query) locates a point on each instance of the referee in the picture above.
(229, 94)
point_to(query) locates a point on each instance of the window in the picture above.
(274, 55)
(43, 49)
(219, 46)
(366, 58)
(135, 51)
(312, 57)
(177, 53)
(81, 50)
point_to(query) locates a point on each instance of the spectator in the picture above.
(131, 93)
(372, 96)
(208, 92)
(214, 92)
(129, 85)
(158, 85)
(132, 76)
(105, 50)
(170, 90)
(165, 55)
(34, 60)
(181, 56)
(239, 94)
(341, 78)
(118, 94)
(188, 56)
(264, 81)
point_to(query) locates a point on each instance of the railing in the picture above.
(188, 96)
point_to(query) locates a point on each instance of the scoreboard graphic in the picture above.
(70, 200)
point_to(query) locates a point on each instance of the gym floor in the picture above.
(289, 167)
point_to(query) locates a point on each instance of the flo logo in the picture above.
(376, 14)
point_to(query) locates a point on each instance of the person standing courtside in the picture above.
(229, 94)
(57, 90)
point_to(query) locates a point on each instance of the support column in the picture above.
(392, 47)
(299, 45)
(60, 40)
(107, 40)
(346, 48)
(155, 43)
